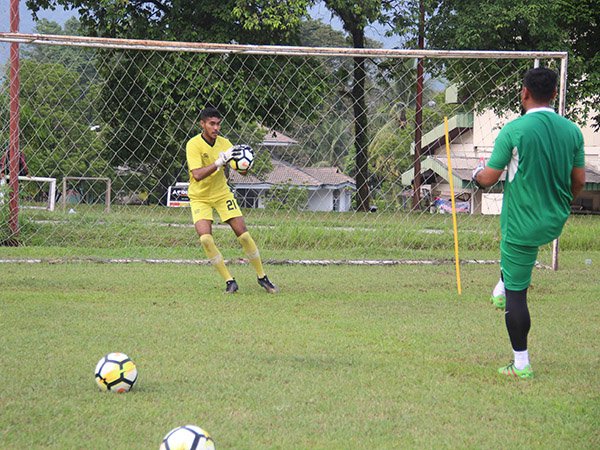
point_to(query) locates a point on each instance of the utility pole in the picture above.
(13, 143)
(419, 113)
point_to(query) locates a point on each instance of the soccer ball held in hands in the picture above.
(242, 159)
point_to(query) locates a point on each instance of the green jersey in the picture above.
(540, 149)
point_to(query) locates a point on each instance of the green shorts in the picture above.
(516, 263)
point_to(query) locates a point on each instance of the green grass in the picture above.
(166, 233)
(343, 357)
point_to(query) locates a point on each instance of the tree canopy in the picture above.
(150, 117)
(254, 22)
(57, 103)
(527, 25)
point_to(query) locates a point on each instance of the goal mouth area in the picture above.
(316, 195)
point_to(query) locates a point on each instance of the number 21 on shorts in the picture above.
(232, 205)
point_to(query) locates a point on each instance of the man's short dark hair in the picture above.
(209, 112)
(541, 82)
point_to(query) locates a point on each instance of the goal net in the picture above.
(348, 165)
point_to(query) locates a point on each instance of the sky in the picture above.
(26, 18)
(26, 23)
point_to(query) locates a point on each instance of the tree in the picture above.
(355, 17)
(563, 25)
(314, 33)
(256, 22)
(151, 100)
(56, 141)
(56, 105)
(330, 139)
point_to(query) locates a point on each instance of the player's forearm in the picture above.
(203, 172)
(576, 190)
(488, 177)
(577, 181)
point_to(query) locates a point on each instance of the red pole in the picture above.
(419, 113)
(13, 145)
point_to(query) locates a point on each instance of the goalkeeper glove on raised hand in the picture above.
(228, 155)
(476, 171)
(224, 157)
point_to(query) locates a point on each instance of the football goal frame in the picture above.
(51, 190)
(107, 191)
(392, 100)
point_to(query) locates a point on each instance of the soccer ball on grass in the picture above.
(115, 372)
(187, 437)
(244, 161)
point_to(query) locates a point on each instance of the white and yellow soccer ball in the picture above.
(115, 372)
(243, 162)
(187, 437)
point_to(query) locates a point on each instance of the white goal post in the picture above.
(51, 190)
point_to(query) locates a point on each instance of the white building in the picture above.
(328, 189)
(472, 137)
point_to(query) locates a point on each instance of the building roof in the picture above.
(592, 179)
(462, 167)
(592, 176)
(329, 175)
(462, 170)
(284, 173)
(275, 138)
(457, 125)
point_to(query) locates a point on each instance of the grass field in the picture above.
(159, 232)
(344, 357)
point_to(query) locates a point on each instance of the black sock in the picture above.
(517, 319)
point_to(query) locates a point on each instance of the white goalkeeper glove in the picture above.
(224, 157)
(476, 171)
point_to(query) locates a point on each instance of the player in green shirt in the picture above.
(544, 154)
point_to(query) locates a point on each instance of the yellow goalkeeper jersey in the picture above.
(201, 154)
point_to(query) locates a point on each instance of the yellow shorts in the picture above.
(226, 207)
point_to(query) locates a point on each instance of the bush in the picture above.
(286, 197)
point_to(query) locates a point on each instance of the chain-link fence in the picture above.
(104, 123)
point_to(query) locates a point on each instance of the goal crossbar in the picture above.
(203, 47)
(283, 50)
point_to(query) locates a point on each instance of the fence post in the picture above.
(13, 165)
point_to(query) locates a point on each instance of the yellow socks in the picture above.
(216, 259)
(251, 252)
(214, 256)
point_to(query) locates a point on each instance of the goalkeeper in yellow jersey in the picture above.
(207, 154)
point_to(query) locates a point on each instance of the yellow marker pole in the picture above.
(453, 206)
